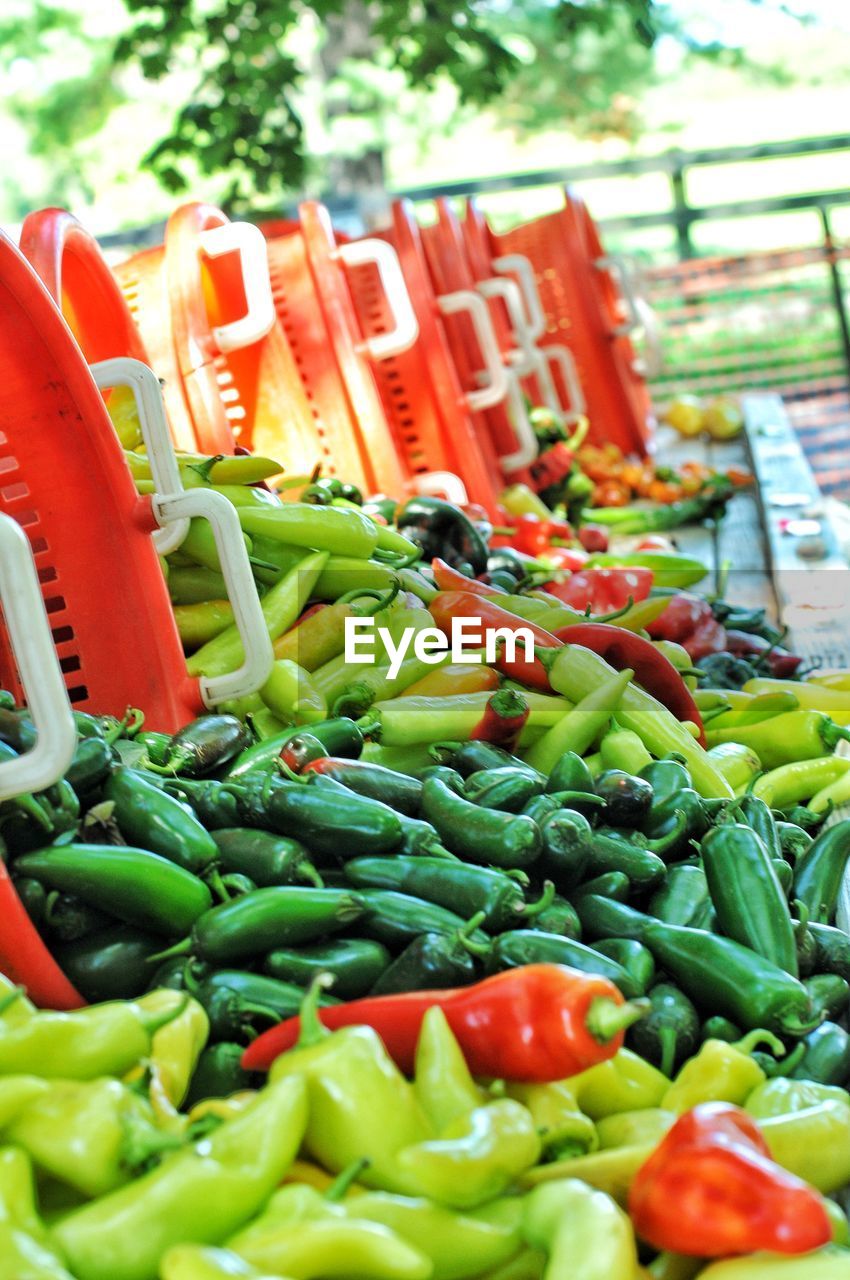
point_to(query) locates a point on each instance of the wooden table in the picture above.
(776, 538)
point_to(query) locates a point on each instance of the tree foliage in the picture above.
(243, 118)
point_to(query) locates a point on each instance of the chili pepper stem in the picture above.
(753, 1039)
(217, 886)
(832, 734)
(179, 949)
(341, 1184)
(310, 1027)
(547, 897)
(605, 1019)
(667, 1039)
(666, 842)
(11, 998)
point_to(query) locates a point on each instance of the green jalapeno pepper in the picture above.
(236, 1002)
(396, 919)
(820, 871)
(826, 1058)
(713, 971)
(218, 1073)
(267, 859)
(793, 840)
(110, 964)
(329, 819)
(532, 946)
(136, 886)
(479, 835)
(666, 777)
(566, 839)
(356, 964)
(832, 950)
(829, 994)
(612, 884)
(154, 820)
(747, 895)
(206, 744)
(433, 961)
(503, 788)
(257, 922)
(560, 918)
(634, 957)
(670, 1031)
(92, 762)
(683, 897)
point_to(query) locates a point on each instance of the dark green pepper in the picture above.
(112, 964)
(255, 923)
(542, 806)
(682, 897)
(784, 874)
(829, 994)
(396, 919)
(471, 757)
(714, 972)
(559, 917)
(33, 896)
(433, 961)
(479, 835)
(566, 837)
(532, 946)
(339, 737)
(268, 859)
(663, 818)
(442, 530)
(820, 871)
(747, 895)
(238, 1003)
(807, 949)
(832, 953)
(758, 816)
(155, 820)
(666, 777)
(219, 1073)
(800, 816)
(90, 766)
(468, 890)
(627, 799)
(327, 817)
(793, 840)
(718, 1028)
(67, 918)
(355, 963)
(155, 744)
(612, 884)
(610, 853)
(633, 956)
(826, 1058)
(571, 774)
(206, 744)
(375, 781)
(213, 805)
(505, 788)
(136, 886)
(670, 1031)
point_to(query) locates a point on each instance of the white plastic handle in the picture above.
(494, 372)
(521, 423)
(563, 358)
(442, 484)
(517, 264)
(616, 266)
(405, 328)
(122, 371)
(41, 677)
(241, 591)
(522, 358)
(250, 243)
(640, 316)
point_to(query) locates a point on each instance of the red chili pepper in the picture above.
(744, 644)
(570, 558)
(681, 618)
(653, 671)
(449, 579)
(24, 957)
(534, 536)
(554, 465)
(709, 637)
(603, 590)
(593, 537)
(503, 720)
(538, 1023)
(465, 604)
(711, 1190)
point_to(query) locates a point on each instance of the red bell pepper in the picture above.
(711, 1190)
(603, 590)
(538, 1023)
(449, 579)
(535, 536)
(503, 720)
(466, 604)
(655, 673)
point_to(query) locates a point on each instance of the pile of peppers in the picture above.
(121, 1159)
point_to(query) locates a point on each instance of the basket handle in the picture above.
(519, 265)
(563, 358)
(122, 371)
(405, 328)
(249, 242)
(442, 484)
(640, 316)
(523, 358)
(241, 591)
(41, 677)
(521, 423)
(496, 388)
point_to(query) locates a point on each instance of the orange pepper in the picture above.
(610, 493)
(457, 678)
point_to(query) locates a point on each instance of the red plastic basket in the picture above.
(524, 310)
(203, 306)
(317, 316)
(66, 483)
(557, 247)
